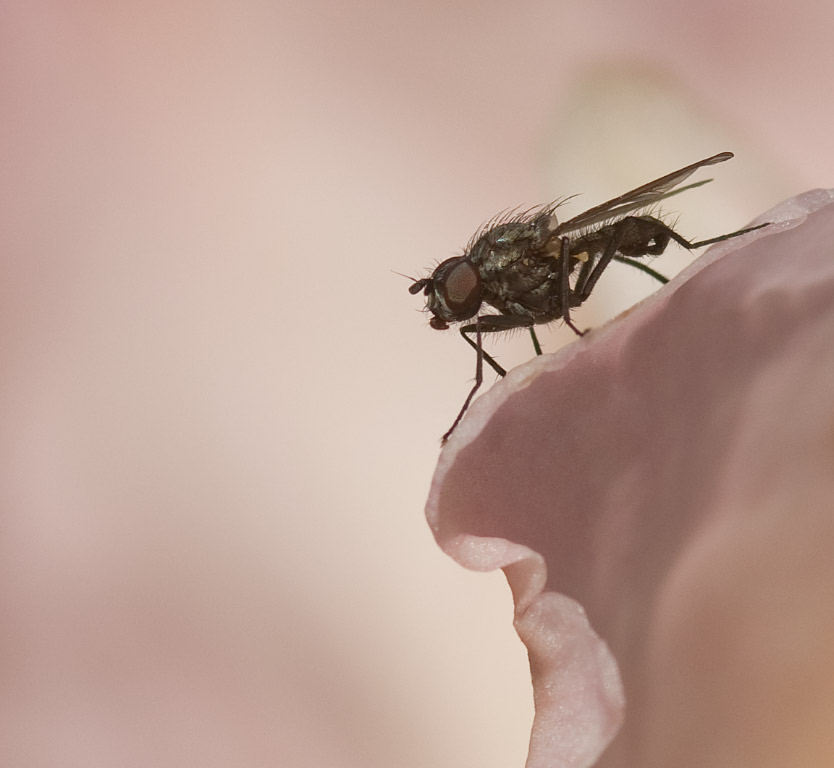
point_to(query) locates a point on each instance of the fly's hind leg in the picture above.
(630, 238)
(654, 238)
(643, 268)
(701, 243)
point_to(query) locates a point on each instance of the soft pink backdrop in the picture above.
(220, 409)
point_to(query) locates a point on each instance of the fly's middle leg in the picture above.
(630, 236)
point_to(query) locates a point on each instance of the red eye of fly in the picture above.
(458, 285)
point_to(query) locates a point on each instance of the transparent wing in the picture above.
(641, 197)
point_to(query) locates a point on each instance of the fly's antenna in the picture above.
(416, 285)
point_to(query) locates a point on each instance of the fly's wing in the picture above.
(643, 196)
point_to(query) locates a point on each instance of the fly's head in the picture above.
(453, 292)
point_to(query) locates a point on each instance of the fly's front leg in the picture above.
(479, 372)
(494, 324)
(477, 346)
(487, 324)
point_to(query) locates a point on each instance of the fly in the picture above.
(533, 269)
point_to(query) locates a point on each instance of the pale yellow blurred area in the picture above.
(220, 409)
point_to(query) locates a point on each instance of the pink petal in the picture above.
(672, 475)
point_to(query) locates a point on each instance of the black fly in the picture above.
(535, 270)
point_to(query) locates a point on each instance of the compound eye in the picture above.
(459, 287)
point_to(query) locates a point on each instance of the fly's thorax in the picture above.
(504, 238)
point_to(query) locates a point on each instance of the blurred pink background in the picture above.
(220, 408)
